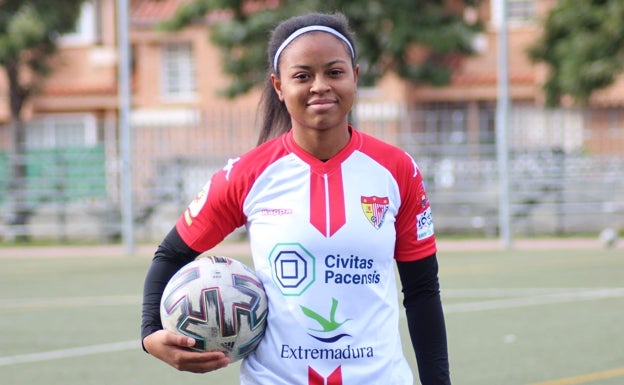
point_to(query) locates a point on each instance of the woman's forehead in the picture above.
(315, 42)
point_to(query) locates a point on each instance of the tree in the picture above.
(387, 33)
(583, 46)
(29, 30)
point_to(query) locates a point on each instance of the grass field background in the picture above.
(550, 316)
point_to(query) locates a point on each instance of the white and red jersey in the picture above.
(324, 237)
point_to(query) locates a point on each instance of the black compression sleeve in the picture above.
(169, 257)
(425, 319)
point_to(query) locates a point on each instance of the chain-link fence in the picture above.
(566, 169)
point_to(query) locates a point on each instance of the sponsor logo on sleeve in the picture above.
(196, 205)
(424, 224)
(424, 201)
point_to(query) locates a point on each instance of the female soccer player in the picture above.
(329, 211)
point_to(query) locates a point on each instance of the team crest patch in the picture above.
(375, 209)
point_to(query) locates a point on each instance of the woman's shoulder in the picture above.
(258, 158)
(266, 152)
(384, 152)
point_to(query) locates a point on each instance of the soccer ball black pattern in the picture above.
(219, 302)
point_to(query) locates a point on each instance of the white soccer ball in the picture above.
(219, 302)
(608, 237)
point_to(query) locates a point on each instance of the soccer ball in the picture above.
(609, 237)
(219, 302)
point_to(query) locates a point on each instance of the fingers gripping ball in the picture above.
(219, 302)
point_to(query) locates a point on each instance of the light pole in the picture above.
(124, 126)
(502, 129)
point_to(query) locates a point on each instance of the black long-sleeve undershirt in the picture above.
(169, 257)
(425, 319)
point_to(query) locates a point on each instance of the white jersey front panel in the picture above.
(317, 284)
(323, 239)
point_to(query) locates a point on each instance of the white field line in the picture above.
(531, 297)
(525, 297)
(73, 352)
(518, 292)
(42, 303)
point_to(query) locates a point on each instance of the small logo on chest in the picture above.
(375, 209)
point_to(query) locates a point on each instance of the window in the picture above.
(445, 123)
(487, 122)
(521, 10)
(518, 11)
(63, 158)
(178, 71)
(85, 30)
(55, 131)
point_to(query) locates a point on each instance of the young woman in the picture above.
(329, 211)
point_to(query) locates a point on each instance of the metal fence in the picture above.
(566, 170)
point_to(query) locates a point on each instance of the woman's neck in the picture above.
(322, 144)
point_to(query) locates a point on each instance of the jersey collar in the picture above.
(336, 160)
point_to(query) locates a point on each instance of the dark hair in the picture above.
(275, 117)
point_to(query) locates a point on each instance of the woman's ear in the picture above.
(277, 85)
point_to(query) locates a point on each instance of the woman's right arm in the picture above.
(169, 347)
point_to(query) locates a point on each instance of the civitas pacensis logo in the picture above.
(329, 326)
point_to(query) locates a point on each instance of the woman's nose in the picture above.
(319, 85)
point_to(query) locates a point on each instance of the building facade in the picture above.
(177, 75)
(182, 128)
